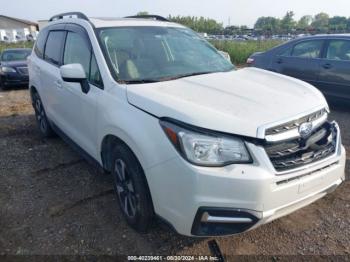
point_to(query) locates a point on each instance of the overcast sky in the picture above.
(240, 12)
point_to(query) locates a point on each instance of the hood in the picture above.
(257, 53)
(14, 63)
(237, 102)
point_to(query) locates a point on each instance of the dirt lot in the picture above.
(53, 202)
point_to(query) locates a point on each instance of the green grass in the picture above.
(240, 51)
(17, 45)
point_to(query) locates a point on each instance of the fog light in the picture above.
(206, 218)
(211, 221)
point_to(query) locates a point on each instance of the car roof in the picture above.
(324, 36)
(103, 22)
(119, 22)
(310, 37)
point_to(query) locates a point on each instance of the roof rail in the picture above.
(155, 17)
(69, 14)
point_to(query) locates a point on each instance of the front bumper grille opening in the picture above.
(286, 181)
(296, 153)
(23, 70)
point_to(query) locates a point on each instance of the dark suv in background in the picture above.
(322, 60)
(14, 67)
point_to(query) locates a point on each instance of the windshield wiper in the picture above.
(187, 75)
(139, 81)
(146, 81)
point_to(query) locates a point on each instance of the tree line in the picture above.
(199, 24)
(267, 25)
(320, 23)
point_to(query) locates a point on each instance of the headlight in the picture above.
(7, 69)
(206, 148)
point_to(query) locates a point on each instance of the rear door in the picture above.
(36, 62)
(302, 60)
(335, 69)
(51, 83)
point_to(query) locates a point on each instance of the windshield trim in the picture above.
(172, 78)
(110, 66)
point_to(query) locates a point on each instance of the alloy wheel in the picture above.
(125, 188)
(40, 115)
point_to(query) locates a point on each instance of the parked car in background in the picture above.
(14, 67)
(210, 149)
(322, 60)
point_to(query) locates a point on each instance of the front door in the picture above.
(301, 61)
(78, 108)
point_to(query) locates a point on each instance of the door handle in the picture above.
(58, 84)
(279, 61)
(37, 69)
(327, 66)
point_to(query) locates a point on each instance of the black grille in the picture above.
(295, 153)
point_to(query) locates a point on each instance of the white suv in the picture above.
(207, 148)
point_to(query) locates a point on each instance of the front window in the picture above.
(308, 49)
(77, 51)
(15, 55)
(152, 54)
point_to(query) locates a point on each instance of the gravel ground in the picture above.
(52, 202)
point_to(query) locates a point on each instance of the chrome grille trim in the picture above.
(295, 123)
(294, 133)
(312, 157)
(309, 165)
(290, 147)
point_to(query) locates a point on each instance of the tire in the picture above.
(41, 118)
(2, 86)
(131, 188)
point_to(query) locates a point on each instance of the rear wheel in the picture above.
(41, 118)
(132, 189)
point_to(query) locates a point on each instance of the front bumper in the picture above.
(184, 194)
(13, 79)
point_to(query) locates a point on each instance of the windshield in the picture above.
(151, 54)
(15, 55)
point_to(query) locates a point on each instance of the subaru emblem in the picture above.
(305, 129)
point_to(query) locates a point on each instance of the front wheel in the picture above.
(2, 86)
(132, 189)
(41, 118)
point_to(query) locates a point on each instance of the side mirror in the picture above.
(226, 55)
(74, 73)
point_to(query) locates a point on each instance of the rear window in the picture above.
(40, 44)
(338, 50)
(53, 48)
